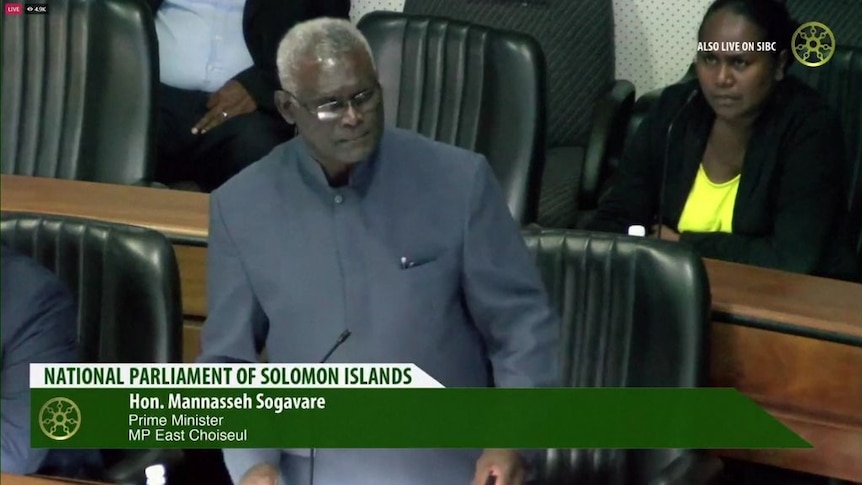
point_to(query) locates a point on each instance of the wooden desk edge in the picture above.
(16, 195)
(841, 334)
(12, 479)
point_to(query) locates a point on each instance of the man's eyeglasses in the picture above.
(363, 102)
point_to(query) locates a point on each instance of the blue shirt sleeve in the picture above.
(48, 334)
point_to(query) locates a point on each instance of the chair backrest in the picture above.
(78, 91)
(635, 313)
(839, 81)
(470, 86)
(125, 280)
(841, 16)
(577, 37)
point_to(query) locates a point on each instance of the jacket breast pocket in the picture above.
(422, 262)
(428, 286)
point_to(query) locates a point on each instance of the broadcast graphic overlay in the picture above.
(29, 9)
(59, 418)
(813, 44)
(371, 406)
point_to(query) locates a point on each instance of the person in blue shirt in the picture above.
(406, 242)
(218, 80)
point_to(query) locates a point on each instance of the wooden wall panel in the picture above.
(813, 386)
(192, 264)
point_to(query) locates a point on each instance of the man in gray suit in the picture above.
(403, 241)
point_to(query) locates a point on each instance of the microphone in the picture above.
(667, 156)
(340, 340)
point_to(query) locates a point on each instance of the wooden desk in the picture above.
(9, 479)
(792, 343)
(182, 215)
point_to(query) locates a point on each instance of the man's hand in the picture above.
(667, 233)
(505, 465)
(229, 101)
(260, 474)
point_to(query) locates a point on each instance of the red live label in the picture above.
(14, 8)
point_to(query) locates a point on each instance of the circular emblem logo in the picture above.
(813, 44)
(60, 418)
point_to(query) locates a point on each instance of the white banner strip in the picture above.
(225, 376)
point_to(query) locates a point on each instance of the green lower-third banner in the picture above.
(402, 418)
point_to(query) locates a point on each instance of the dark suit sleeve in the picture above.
(48, 335)
(261, 86)
(333, 8)
(808, 203)
(154, 5)
(270, 24)
(631, 198)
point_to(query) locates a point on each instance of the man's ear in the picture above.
(285, 106)
(781, 65)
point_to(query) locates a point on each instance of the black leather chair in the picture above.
(841, 16)
(635, 314)
(467, 85)
(78, 89)
(127, 287)
(587, 108)
(839, 81)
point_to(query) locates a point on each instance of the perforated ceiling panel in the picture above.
(358, 8)
(656, 40)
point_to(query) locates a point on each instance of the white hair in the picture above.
(320, 38)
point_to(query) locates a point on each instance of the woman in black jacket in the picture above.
(743, 163)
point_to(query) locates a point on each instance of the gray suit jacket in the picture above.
(418, 256)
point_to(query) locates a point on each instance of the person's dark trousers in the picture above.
(211, 158)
